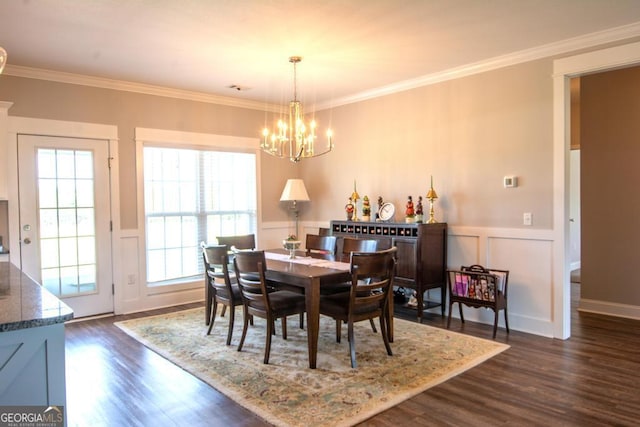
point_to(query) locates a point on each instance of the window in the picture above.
(190, 196)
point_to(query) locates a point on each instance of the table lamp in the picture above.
(295, 191)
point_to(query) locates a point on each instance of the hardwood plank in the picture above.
(590, 379)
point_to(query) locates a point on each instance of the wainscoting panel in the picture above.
(132, 292)
(131, 276)
(527, 254)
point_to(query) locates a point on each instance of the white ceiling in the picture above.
(350, 48)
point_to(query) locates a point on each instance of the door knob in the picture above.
(26, 241)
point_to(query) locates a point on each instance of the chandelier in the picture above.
(294, 139)
(3, 58)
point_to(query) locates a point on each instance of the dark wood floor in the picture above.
(591, 379)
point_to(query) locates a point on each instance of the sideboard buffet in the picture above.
(422, 254)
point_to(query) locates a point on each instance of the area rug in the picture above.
(286, 392)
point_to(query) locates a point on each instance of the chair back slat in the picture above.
(350, 244)
(321, 244)
(247, 241)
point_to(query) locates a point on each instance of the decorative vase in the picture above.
(291, 246)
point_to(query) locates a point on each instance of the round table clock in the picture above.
(386, 211)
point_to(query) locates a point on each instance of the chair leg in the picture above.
(232, 316)
(301, 320)
(267, 345)
(385, 336)
(352, 345)
(338, 330)
(284, 328)
(212, 317)
(449, 319)
(245, 326)
(209, 304)
(373, 326)
(460, 308)
(495, 322)
(506, 320)
(224, 310)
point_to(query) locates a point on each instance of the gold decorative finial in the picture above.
(431, 196)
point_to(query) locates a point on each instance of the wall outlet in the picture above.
(527, 218)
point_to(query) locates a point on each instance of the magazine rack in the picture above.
(476, 286)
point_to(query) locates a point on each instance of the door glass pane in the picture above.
(67, 221)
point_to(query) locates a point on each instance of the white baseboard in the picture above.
(609, 308)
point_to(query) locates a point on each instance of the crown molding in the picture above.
(549, 50)
(103, 83)
(557, 48)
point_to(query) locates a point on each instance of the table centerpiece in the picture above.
(291, 243)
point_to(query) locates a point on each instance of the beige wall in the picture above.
(468, 133)
(610, 107)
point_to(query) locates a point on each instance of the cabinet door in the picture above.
(406, 266)
(433, 250)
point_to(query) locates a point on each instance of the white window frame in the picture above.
(183, 140)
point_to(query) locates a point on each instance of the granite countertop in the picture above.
(25, 304)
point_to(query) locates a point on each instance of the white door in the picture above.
(65, 221)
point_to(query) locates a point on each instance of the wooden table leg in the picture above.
(312, 300)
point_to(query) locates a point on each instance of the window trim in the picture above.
(193, 140)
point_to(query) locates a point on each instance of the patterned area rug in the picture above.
(286, 392)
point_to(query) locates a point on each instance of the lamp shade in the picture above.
(294, 190)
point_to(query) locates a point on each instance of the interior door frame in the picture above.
(45, 127)
(563, 70)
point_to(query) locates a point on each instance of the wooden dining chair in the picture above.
(246, 241)
(371, 281)
(250, 268)
(221, 286)
(320, 244)
(350, 245)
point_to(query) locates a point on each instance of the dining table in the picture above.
(309, 273)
